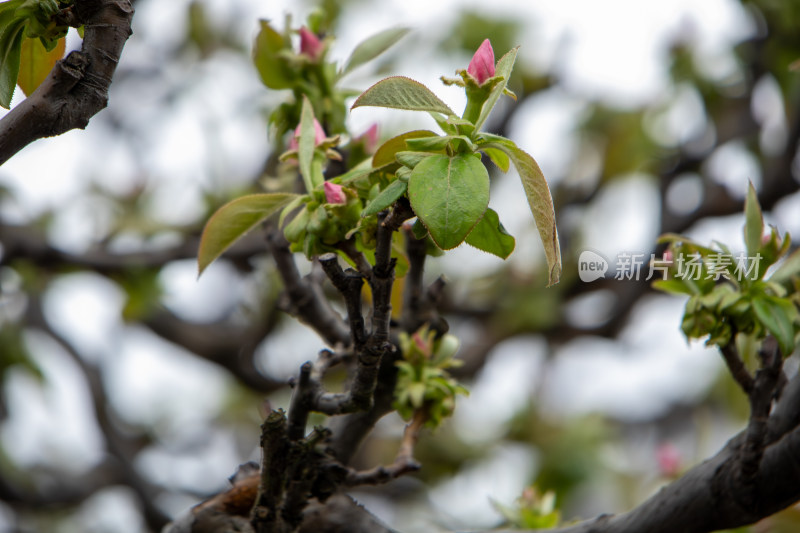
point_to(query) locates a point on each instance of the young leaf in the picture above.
(387, 197)
(385, 155)
(429, 144)
(12, 32)
(411, 159)
(36, 63)
(449, 195)
(777, 315)
(305, 146)
(753, 222)
(498, 157)
(540, 202)
(399, 92)
(674, 286)
(233, 220)
(490, 236)
(504, 67)
(270, 65)
(374, 46)
(438, 143)
(358, 172)
(788, 270)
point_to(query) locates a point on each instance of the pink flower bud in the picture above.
(310, 44)
(422, 344)
(319, 135)
(370, 138)
(482, 65)
(334, 193)
(667, 258)
(669, 460)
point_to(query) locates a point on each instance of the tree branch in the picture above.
(305, 299)
(404, 462)
(349, 283)
(77, 87)
(713, 495)
(736, 366)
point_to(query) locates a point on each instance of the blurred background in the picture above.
(131, 389)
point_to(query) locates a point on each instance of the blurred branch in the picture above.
(714, 495)
(305, 300)
(404, 462)
(229, 346)
(29, 243)
(77, 87)
(122, 446)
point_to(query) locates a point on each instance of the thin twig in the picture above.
(736, 366)
(404, 462)
(349, 283)
(301, 403)
(305, 298)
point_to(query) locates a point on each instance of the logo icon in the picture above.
(591, 266)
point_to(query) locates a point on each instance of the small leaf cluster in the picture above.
(311, 224)
(21, 20)
(729, 296)
(440, 176)
(443, 176)
(308, 73)
(532, 510)
(423, 382)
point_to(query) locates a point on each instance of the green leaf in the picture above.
(788, 270)
(12, 32)
(291, 207)
(416, 394)
(399, 92)
(411, 159)
(777, 315)
(374, 46)
(447, 127)
(540, 202)
(36, 63)
(503, 68)
(438, 143)
(267, 59)
(435, 143)
(385, 154)
(449, 195)
(233, 220)
(356, 173)
(419, 230)
(305, 147)
(498, 157)
(754, 222)
(674, 286)
(387, 197)
(490, 236)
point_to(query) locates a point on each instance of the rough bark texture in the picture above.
(77, 88)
